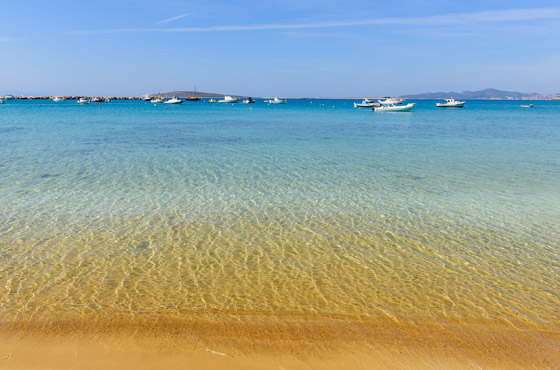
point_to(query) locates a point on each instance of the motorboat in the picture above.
(1, 101)
(395, 108)
(83, 101)
(228, 99)
(248, 100)
(277, 100)
(97, 100)
(367, 103)
(451, 103)
(58, 99)
(527, 106)
(173, 100)
(212, 100)
(9, 97)
(147, 97)
(157, 100)
(392, 101)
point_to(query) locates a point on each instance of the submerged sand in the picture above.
(210, 340)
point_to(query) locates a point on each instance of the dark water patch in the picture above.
(410, 177)
(6, 130)
(49, 175)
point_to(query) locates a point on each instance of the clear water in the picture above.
(308, 207)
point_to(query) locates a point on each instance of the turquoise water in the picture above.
(313, 207)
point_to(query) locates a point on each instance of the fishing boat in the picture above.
(392, 101)
(248, 100)
(83, 101)
(277, 100)
(395, 108)
(173, 100)
(228, 99)
(193, 98)
(58, 99)
(367, 103)
(451, 103)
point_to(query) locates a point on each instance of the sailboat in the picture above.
(193, 98)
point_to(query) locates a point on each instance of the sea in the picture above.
(311, 207)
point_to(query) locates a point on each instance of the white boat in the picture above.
(173, 100)
(58, 99)
(1, 101)
(392, 101)
(248, 101)
(451, 103)
(147, 97)
(97, 100)
(83, 101)
(527, 106)
(367, 103)
(277, 100)
(228, 99)
(156, 100)
(395, 108)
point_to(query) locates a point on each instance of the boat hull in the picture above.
(366, 105)
(173, 101)
(395, 108)
(444, 105)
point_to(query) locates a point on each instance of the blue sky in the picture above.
(287, 48)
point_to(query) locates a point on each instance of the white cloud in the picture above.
(510, 15)
(173, 18)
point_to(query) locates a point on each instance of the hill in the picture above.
(186, 94)
(487, 94)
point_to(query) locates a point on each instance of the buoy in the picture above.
(251, 108)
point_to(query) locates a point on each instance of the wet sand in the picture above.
(210, 340)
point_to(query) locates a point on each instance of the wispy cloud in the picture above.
(510, 15)
(6, 39)
(173, 18)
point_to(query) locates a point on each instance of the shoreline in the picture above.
(271, 341)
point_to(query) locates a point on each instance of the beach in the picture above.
(304, 235)
(250, 341)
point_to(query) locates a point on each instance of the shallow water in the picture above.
(308, 207)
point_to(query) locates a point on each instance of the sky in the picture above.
(288, 48)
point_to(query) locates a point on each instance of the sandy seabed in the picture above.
(210, 340)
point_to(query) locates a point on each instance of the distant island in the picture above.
(186, 94)
(487, 94)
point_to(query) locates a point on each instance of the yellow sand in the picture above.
(210, 340)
